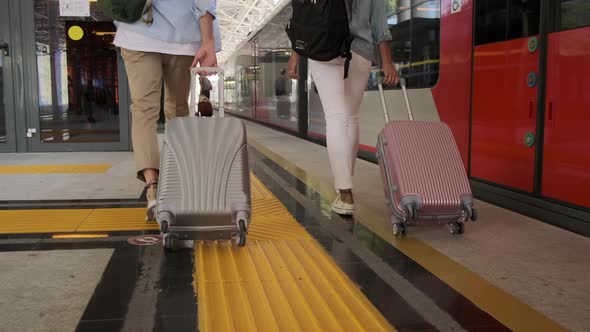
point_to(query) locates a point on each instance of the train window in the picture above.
(500, 20)
(425, 45)
(490, 21)
(415, 28)
(401, 42)
(524, 18)
(574, 14)
(396, 6)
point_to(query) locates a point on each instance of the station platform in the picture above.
(71, 259)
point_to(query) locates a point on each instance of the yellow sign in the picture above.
(75, 32)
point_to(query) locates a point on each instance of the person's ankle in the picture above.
(151, 176)
(346, 196)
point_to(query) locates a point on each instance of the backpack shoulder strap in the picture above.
(348, 5)
(147, 14)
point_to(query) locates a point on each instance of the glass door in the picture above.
(7, 125)
(81, 100)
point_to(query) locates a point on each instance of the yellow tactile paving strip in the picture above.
(54, 169)
(116, 219)
(41, 221)
(268, 219)
(283, 280)
(73, 220)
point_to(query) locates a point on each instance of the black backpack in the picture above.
(128, 11)
(319, 30)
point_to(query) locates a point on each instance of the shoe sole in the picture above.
(151, 214)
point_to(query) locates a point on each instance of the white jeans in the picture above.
(341, 100)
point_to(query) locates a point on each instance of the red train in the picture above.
(511, 78)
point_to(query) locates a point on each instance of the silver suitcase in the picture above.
(204, 185)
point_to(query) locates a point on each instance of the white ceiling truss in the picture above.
(237, 18)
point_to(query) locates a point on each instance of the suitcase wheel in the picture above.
(240, 238)
(164, 219)
(473, 215)
(399, 229)
(411, 212)
(168, 241)
(456, 228)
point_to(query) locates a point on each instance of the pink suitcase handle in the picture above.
(402, 83)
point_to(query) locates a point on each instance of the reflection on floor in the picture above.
(101, 125)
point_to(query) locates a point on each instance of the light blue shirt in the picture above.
(369, 27)
(177, 21)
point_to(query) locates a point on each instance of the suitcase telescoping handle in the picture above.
(402, 83)
(220, 93)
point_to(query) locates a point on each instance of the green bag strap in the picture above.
(146, 15)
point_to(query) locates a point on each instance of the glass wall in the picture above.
(77, 72)
(257, 84)
(240, 78)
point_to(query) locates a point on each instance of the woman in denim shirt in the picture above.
(341, 99)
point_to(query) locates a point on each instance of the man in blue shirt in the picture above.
(183, 34)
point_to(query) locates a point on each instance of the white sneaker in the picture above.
(341, 207)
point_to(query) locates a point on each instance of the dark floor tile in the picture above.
(111, 325)
(8, 247)
(360, 274)
(342, 254)
(176, 324)
(111, 297)
(393, 307)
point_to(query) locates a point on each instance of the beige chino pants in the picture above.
(145, 72)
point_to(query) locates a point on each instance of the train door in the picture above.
(566, 150)
(530, 109)
(7, 121)
(505, 92)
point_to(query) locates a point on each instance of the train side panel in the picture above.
(452, 93)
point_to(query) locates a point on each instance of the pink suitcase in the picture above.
(422, 171)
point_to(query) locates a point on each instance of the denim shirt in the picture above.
(177, 21)
(369, 27)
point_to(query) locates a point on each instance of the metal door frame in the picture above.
(8, 77)
(30, 72)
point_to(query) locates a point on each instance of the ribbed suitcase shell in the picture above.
(420, 164)
(204, 176)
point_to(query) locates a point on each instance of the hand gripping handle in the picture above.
(220, 92)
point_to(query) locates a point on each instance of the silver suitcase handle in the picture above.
(402, 83)
(220, 93)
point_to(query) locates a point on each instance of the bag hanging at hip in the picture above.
(128, 11)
